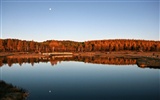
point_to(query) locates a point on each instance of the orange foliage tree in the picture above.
(15, 45)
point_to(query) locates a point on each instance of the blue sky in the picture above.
(80, 20)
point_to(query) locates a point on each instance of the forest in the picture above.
(16, 45)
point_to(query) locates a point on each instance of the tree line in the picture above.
(16, 45)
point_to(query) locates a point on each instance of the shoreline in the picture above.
(10, 92)
(142, 59)
(115, 54)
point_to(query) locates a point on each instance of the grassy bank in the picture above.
(125, 54)
(20, 55)
(10, 92)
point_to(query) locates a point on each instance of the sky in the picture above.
(79, 20)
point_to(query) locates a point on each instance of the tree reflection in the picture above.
(9, 62)
(1, 63)
(20, 61)
(55, 59)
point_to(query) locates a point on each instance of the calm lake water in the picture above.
(76, 80)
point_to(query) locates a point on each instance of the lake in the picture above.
(79, 78)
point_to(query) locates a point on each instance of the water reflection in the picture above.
(79, 81)
(54, 60)
(20, 61)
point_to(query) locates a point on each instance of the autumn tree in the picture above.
(1, 45)
(71, 46)
(32, 46)
(9, 45)
(20, 46)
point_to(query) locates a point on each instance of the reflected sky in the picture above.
(72, 80)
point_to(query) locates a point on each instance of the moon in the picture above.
(50, 8)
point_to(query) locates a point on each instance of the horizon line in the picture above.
(78, 41)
